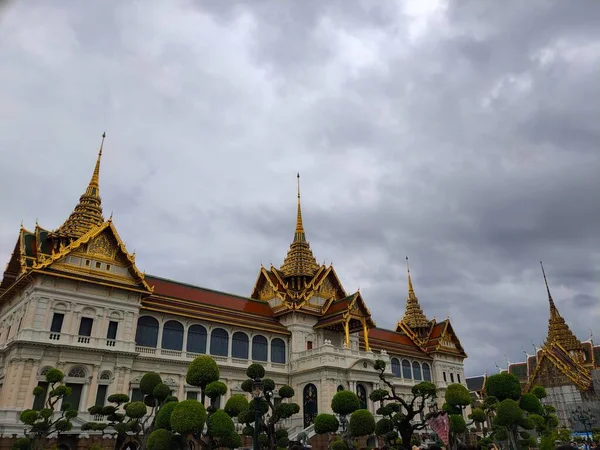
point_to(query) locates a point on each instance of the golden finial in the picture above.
(552, 305)
(22, 227)
(110, 218)
(299, 235)
(410, 286)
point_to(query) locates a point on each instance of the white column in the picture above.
(93, 390)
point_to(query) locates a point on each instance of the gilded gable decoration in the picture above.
(102, 246)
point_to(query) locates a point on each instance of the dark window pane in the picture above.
(278, 351)
(196, 340)
(191, 395)
(458, 377)
(396, 367)
(147, 332)
(137, 395)
(362, 395)
(112, 330)
(57, 322)
(406, 372)
(452, 377)
(40, 400)
(101, 395)
(172, 337)
(417, 370)
(85, 326)
(259, 348)
(445, 379)
(239, 345)
(219, 342)
(426, 372)
(75, 398)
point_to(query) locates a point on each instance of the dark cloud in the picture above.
(458, 133)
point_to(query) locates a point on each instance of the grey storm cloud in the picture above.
(463, 134)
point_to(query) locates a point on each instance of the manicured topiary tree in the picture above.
(138, 418)
(405, 414)
(41, 424)
(326, 424)
(361, 422)
(182, 424)
(515, 412)
(458, 399)
(269, 413)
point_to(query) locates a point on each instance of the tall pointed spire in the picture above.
(558, 330)
(413, 315)
(300, 261)
(299, 235)
(88, 212)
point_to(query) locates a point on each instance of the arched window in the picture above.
(396, 367)
(219, 342)
(416, 370)
(362, 395)
(104, 376)
(239, 345)
(310, 405)
(340, 388)
(406, 372)
(196, 340)
(259, 348)
(278, 351)
(147, 332)
(77, 372)
(426, 372)
(172, 336)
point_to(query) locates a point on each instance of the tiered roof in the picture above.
(88, 248)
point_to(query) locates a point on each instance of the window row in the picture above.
(197, 339)
(414, 371)
(451, 377)
(86, 325)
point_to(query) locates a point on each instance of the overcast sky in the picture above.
(464, 135)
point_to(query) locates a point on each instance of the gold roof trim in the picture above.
(88, 213)
(87, 237)
(413, 314)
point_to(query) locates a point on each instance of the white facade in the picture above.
(28, 346)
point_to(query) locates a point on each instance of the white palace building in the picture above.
(74, 299)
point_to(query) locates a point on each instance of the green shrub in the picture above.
(118, 398)
(236, 404)
(508, 412)
(457, 424)
(383, 427)
(136, 410)
(54, 376)
(220, 425)
(215, 389)
(202, 371)
(326, 423)
(338, 445)
(159, 440)
(539, 392)
(503, 386)
(361, 423)
(21, 444)
(188, 416)
(149, 381)
(530, 403)
(163, 418)
(345, 402)
(286, 392)
(161, 392)
(255, 371)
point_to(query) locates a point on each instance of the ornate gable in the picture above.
(100, 254)
(556, 368)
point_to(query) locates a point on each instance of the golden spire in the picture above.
(299, 261)
(88, 212)
(558, 330)
(299, 235)
(413, 315)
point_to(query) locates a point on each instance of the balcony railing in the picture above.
(177, 354)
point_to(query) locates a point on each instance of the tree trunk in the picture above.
(406, 435)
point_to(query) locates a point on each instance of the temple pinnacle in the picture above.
(413, 314)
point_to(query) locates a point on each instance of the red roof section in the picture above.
(393, 342)
(186, 300)
(173, 289)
